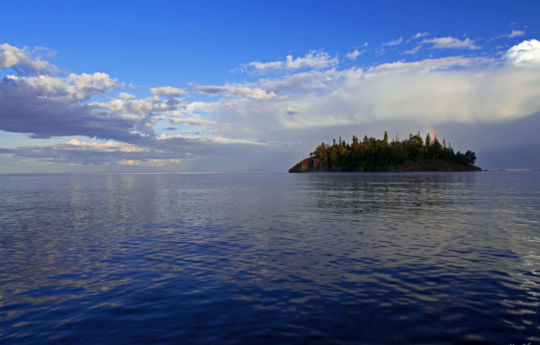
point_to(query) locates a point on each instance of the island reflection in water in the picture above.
(262, 258)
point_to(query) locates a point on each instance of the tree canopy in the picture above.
(370, 153)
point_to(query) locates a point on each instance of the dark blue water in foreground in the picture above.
(434, 258)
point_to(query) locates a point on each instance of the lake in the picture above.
(264, 258)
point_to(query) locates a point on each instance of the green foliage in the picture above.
(371, 154)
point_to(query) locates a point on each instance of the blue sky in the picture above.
(238, 85)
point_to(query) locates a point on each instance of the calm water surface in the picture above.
(432, 258)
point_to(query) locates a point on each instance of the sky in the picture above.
(169, 86)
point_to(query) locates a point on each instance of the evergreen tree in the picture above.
(372, 154)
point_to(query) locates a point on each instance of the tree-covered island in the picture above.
(376, 155)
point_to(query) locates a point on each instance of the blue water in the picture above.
(427, 258)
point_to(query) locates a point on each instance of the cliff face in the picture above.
(308, 164)
(314, 165)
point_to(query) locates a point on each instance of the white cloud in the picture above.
(87, 85)
(22, 61)
(107, 146)
(526, 53)
(266, 113)
(243, 91)
(213, 140)
(427, 65)
(420, 35)
(395, 42)
(413, 51)
(203, 107)
(166, 91)
(515, 33)
(440, 43)
(222, 140)
(125, 96)
(354, 54)
(74, 86)
(299, 82)
(47, 106)
(165, 100)
(314, 59)
(149, 162)
(429, 91)
(450, 42)
(194, 121)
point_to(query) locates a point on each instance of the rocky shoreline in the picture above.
(314, 165)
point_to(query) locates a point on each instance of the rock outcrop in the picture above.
(314, 165)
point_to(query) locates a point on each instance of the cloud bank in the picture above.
(283, 108)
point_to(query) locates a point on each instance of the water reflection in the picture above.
(359, 258)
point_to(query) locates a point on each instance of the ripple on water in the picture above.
(266, 258)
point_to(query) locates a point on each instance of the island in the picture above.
(381, 155)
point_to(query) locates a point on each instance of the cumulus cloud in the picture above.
(526, 53)
(48, 106)
(74, 87)
(314, 59)
(45, 105)
(85, 85)
(127, 106)
(23, 61)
